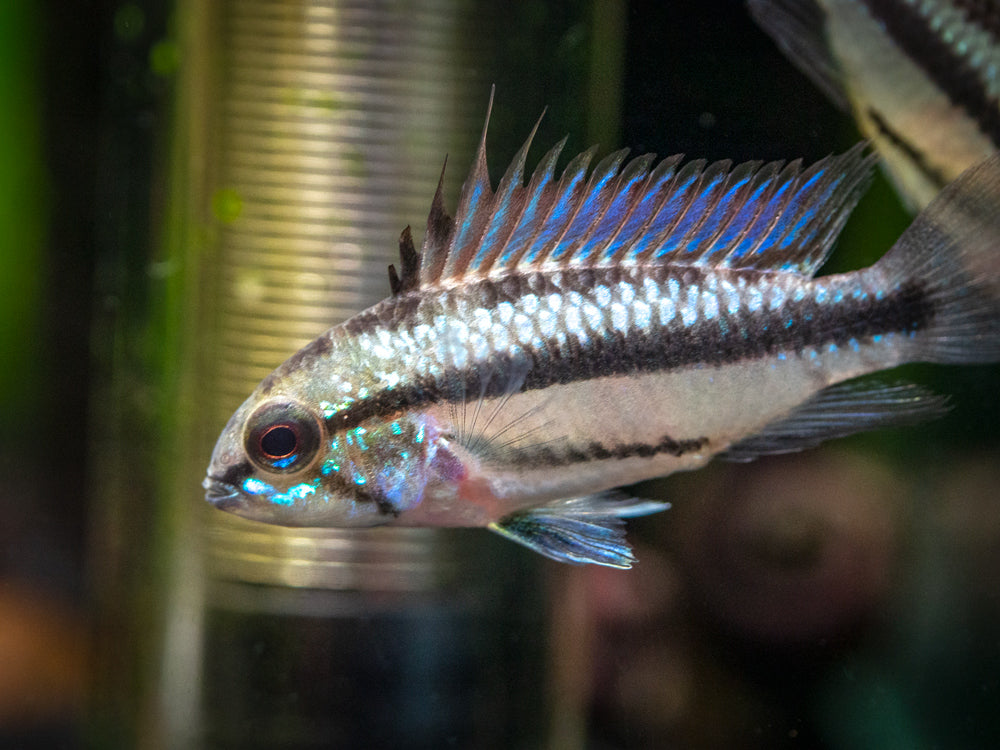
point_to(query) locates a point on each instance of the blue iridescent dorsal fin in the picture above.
(766, 217)
(795, 228)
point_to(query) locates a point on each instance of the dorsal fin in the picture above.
(409, 266)
(771, 217)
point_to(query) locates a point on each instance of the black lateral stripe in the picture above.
(542, 456)
(730, 339)
(958, 81)
(917, 158)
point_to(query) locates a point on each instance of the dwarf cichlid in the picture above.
(562, 337)
(921, 77)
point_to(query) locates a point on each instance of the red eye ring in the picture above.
(282, 437)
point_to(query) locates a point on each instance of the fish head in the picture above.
(296, 454)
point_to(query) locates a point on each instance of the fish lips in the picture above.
(221, 494)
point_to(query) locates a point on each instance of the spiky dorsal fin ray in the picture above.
(770, 217)
(409, 266)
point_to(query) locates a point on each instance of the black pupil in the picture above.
(279, 441)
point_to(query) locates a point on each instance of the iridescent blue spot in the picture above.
(626, 293)
(298, 492)
(329, 466)
(254, 486)
(838, 296)
(546, 323)
(284, 463)
(360, 479)
(777, 298)
(710, 305)
(689, 311)
(358, 434)
(572, 319)
(619, 316)
(667, 310)
(595, 319)
(505, 311)
(820, 294)
(396, 429)
(602, 295)
(877, 338)
(755, 299)
(855, 346)
(651, 290)
(732, 298)
(483, 319)
(419, 437)
(641, 314)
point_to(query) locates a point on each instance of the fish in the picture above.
(560, 338)
(920, 77)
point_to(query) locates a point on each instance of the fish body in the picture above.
(560, 338)
(921, 77)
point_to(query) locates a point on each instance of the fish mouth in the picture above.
(219, 493)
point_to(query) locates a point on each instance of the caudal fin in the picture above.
(951, 252)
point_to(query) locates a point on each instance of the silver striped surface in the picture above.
(331, 123)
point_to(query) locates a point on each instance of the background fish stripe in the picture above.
(949, 70)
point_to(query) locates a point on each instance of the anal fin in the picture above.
(579, 530)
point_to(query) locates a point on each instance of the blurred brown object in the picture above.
(43, 658)
(794, 548)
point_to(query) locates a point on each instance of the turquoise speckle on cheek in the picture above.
(253, 486)
(256, 487)
(295, 492)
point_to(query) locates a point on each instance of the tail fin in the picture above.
(952, 251)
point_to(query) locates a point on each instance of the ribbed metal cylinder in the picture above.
(331, 124)
(325, 124)
(309, 133)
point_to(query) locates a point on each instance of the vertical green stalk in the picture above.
(22, 213)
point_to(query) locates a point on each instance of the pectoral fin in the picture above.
(579, 530)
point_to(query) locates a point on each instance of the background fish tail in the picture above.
(950, 257)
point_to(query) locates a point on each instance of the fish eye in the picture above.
(282, 437)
